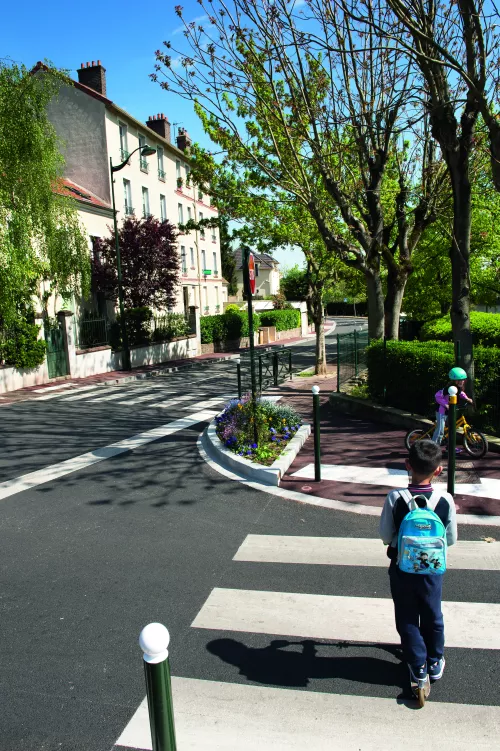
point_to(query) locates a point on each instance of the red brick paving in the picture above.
(351, 440)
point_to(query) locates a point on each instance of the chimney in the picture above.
(93, 76)
(160, 125)
(183, 140)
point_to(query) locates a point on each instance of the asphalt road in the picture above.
(90, 558)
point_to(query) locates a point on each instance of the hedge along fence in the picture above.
(20, 346)
(406, 375)
(485, 329)
(229, 326)
(284, 320)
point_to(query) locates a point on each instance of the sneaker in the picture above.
(436, 669)
(418, 674)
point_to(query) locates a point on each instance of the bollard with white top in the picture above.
(238, 375)
(154, 641)
(452, 437)
(317, 442)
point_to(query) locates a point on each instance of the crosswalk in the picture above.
(201, 388)
(299, 634)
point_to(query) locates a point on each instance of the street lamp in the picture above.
(145, 151)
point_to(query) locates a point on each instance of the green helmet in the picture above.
(457, 374)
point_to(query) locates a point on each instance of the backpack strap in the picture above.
(430, 502)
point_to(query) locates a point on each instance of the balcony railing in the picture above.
(124, 154)
(161, 174)
(129, 210)
(144, 165)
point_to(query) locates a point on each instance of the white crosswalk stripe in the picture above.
(217, 715)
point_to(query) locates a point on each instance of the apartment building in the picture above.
(94, 130)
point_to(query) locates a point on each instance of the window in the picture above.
(200, 194)
(215, 263)
(183, 259)
(145, 202)
(181, 213)
(124, 152)
(205, 297)
(256, 269)
(191, 257)
(189, 212)
(202, 230)
(203, 261)
(127, 195)
(177, 169)
(161, 170)
(192, 296)
(214, 236)
(188, 174)
(163, 208)
(217, 304)
(142, 159)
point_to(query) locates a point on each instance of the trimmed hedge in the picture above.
(284, 320)
(412, 372)
(231, 325)
(485, 329)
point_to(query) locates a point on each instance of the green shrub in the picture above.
(138, 322)
(485, 329)
(284, 320)
(20, 347)
(168, 326)
(212, 329)
(412, 372)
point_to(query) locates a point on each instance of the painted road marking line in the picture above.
(53, 472)
(175, 400)
(356, 551)
(473, 625)
(488, 487)
(146, 398)
(104, 390)
(212, 402)
(66, 385)
(217, 716)
(65, 394)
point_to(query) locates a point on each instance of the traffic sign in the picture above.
(251, 273)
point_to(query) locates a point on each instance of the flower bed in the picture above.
(276, 426)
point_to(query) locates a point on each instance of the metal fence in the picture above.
(93, 332)
(351, 355)
(170, 325)
(271, 369)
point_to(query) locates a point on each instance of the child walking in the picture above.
(417, 596)
(457, 377)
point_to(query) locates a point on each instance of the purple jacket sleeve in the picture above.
(441, 399)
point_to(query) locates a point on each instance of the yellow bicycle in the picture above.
(475, 443)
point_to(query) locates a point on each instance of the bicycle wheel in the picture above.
(475, 443)
(415, 435)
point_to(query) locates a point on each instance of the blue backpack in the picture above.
(422, 538)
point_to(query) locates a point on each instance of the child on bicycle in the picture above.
(417, 597)
(457, 377)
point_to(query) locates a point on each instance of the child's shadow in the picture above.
(280, 663)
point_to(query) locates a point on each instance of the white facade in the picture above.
(159, 185)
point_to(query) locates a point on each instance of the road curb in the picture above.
(270, 476)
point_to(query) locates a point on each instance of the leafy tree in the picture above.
(319, 118)
(149, 260)
(455, 48)
(294, 283)
(40, 236)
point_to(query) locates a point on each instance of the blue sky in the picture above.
(123, 37)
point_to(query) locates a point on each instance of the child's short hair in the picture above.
(425, 457)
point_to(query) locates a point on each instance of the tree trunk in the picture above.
(319, 327)
(375, 300)
(460, 271)
(393, 301)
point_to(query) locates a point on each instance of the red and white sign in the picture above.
(251, 273)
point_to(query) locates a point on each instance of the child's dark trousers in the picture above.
(419, 620)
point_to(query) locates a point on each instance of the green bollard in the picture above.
(317, 437)
(238, 375)
(452, 438)
(154, 641)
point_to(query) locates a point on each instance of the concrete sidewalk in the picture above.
(365, 460)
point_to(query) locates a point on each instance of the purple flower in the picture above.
(254, 445)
